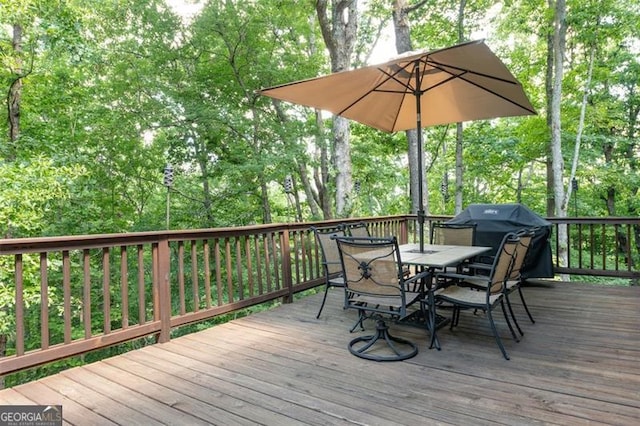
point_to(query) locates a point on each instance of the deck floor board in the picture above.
(578, 364)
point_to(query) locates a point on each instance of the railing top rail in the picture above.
(77, 242)
(609, 220)
(40, 244)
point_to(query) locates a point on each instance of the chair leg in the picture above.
(361, 317)
(455, 316)
(526, 308)
(402, 348)
(430, 317)
(496, 335)
(513, 315)
(324, 299)
(508, 321)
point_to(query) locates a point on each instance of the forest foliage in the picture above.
(113, 91)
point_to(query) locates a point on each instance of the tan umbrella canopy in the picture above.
(455, 84)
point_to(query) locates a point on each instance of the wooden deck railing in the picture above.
(607, 247)
(63, 288)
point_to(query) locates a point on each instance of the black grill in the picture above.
(494, 220)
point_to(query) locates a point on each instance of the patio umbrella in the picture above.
(455, 84)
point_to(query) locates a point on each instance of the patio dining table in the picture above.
(433, 257)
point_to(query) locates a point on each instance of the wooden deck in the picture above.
(579, 364)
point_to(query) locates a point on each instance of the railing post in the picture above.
(286, 265)
(404, 231)
(164, 290)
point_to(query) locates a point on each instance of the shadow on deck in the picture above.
(579, 363)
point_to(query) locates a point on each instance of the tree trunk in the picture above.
(266, 207)
(202, 159)
(206, 191)
(342, 165)
(339, 34)
(15, 95)
(634, 111)
(308, 190)
(459, 138)
(322, 180)
(459, 169)
(519, 187)
(296, 198)
(610, 198)
(402, 32)
(548, 83)
(556, 122)
(311, 191)
(583, 108)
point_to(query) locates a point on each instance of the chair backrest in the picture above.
(526, 235)
(357, 229)
(372, 267)
(503, 263)
(453, 235)
(329, 248)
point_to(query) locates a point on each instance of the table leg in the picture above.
(433, 326)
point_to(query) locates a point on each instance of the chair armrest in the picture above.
(478, 268)
(484, 259)
(477, 265)
(452, 275)
(418, 276)
(416, 280)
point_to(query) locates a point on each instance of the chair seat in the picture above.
(482, 283)
(466, 295)
(387, 302)
(337, 281)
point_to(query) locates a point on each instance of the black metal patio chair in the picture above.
(465, 295)
(450, 234)
(358, 229)
(515, 280)
(377, 288)
(330, 259)
(453, 235)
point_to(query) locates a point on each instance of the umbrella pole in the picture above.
(420, 200)
(417, 93)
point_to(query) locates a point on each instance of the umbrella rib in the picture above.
(375, 89)
(443, 67)
(493, 92)
(352, 104)
(408, 86)
(451, 77)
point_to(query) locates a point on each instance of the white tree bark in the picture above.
(402, 32)
(583, 108)
(342, 163)
(459, 138)
(339, 34)
(459, 169)
(556, 128)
